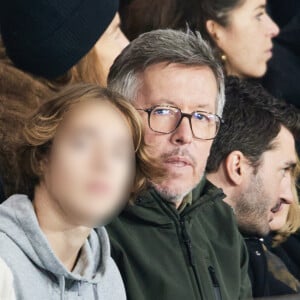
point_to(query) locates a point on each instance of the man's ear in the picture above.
(235, 167)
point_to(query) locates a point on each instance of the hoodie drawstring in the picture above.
(79, 288)
(62, 286)
(95, 291)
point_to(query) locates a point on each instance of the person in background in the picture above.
(70, 41)
(83, 156)
(286, 221)
(240, 31)
(178, 240)
(284, 239)
(253, 160)
(139, 16)
(45, 46)
(288, 251)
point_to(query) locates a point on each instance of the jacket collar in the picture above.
(151, 207)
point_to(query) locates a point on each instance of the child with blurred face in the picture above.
(78, 169)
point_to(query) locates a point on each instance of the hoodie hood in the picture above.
(20, 224)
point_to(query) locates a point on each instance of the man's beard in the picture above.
(171, 194)
(252, 209)
(175, 194)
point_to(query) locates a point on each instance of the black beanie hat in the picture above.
(48, 37)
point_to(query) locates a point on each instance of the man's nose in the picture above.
(183, 133)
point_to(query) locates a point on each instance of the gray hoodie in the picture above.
(39, 275)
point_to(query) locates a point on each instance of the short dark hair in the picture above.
(252, 120)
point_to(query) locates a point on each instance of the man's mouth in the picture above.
(178, 161)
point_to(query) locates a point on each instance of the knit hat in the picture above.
(48, 37)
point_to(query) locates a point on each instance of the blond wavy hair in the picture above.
(292, 224)
(41, 128)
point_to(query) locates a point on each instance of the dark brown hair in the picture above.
(141, 16)
(252, 120)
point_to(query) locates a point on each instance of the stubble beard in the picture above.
(171, 194)
(252, 209)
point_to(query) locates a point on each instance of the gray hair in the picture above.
(158, 46)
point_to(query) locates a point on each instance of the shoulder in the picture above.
(6, 243)
(217, 212)
(217, 219)
(112, 286)
(6, 282)
(11, 253)
(5, 273)
(214, 206)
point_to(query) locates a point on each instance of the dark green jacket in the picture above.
(164, 255)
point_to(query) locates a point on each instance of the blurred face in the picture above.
(110, 44)
(270, 189)
(89, 172)
(183, 157)
(247, 39)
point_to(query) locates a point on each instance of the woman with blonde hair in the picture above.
(82, 158)
(286, 221)
(285, 239)
(46, 45)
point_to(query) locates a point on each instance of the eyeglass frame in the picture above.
(183, 115)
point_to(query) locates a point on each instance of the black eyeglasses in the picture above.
(167, 118)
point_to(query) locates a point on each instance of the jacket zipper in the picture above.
(215, 282)
(187, 242)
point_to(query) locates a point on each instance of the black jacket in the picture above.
(266, 278)
(193, 255)
(282, 77)
(289, 252)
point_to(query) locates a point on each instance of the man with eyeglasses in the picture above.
(178, 240)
